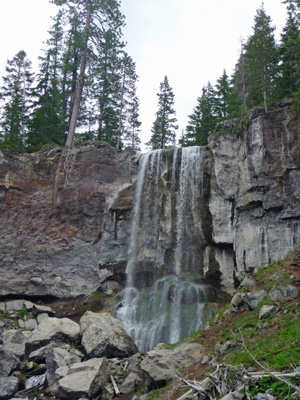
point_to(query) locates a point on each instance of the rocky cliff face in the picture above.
(52, 207)
(255, 187)
(65, 216)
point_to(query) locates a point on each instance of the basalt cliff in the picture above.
(66, 214)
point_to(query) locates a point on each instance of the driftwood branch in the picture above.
(195, 386)
(274, 375)
(186, 395)
(277, 374)
(116, 389)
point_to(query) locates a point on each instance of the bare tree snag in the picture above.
(78, 93)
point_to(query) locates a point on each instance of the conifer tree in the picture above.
(193, 129)
(203, 121)
(222, 92)
(239, 94)
(129, 124)
(100, 24)
(47, 124)
(289, 50)
(261, 61)
(108, 88)
(165, 125)
(16, 95)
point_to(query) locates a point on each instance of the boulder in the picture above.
(14, 340)
(291, 292)
(134, 363)
(104, 335)
(267, 310)
(248, 282)
(8, 362)
(37, 309)
(41, 354)
(223, 348)
(8, 387)
(40, 317)
(130, 383)
(58, 357)
(14, 305)
(162, 364)
(30, 324)
(253, 298)
(275, 294)
(237, 300)
(52, 330)
(83, 379)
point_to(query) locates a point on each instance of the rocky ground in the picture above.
(68, 350)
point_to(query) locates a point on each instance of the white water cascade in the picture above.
(164, 298)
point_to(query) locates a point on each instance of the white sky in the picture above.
(190, 41)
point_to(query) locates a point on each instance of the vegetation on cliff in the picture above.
(87, 80)
(266, 72)
(272, 338)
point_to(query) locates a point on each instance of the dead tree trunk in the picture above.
(79, 88)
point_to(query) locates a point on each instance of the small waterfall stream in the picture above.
(164, 299)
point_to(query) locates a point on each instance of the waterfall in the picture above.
(164, 299)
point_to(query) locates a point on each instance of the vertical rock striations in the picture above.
(65, 215)
(255, 187)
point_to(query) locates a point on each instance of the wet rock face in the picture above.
(66, 215)
(254, 201)
(52, 207)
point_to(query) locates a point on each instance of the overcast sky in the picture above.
(190, 41)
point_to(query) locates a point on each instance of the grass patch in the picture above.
(22, 313)
(98, 294)
(279, 389)
(277, 346)
(272, 274)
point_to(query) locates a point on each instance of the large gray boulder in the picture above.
(253, 298)
(130, 383)
(83, 379)
(58, 357)
(14, 340)
(162, 364)
(291, 292)
(8, 362)
(8, 387)
(267, 310)
(52, 330)
(104, 335)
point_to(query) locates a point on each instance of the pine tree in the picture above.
(47, 124)
(100, 23)
(108, 88)
(223, 92)
(238, 98)
(16, 95)
(193, 129)
(202, 122)
(289, 50)
(129, 124)
(261, 60)
(164, 127)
